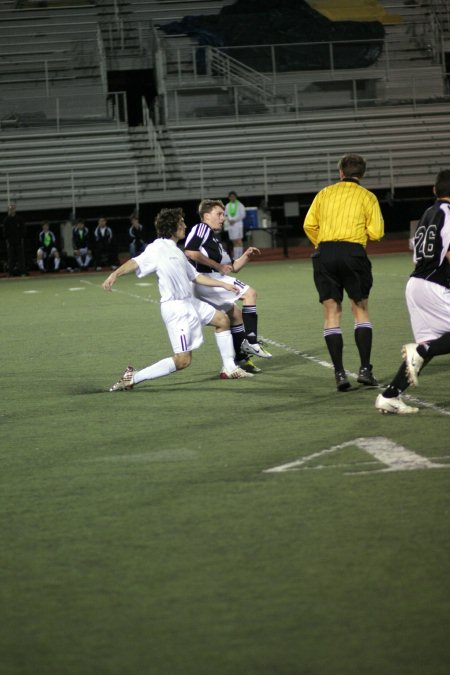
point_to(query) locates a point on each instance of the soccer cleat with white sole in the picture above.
(414, 362)
(255, 349)
(394, 405)
(248, 365)
(235, 374)
(126, 381)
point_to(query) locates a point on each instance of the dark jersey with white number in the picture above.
(203, 239)
(431, 244)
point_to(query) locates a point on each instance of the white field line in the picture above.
(291, 350)
(118, 290)
(327, 364)
(393, 456)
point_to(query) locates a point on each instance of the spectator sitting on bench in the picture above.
(81, 248)
(47, 249)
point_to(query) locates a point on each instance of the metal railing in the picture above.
(57, 112)
(262, 71)
(441, 11)
(74, 187)
(131, 35)
(153, 142)
(292, 101)
(257, 175)
(185, 64)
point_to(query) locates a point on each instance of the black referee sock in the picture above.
(363, 340)
(335, 345)
(250, 319)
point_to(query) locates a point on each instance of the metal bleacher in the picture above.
(262, 133)
(404, 147)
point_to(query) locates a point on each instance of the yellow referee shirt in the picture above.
(344, 211)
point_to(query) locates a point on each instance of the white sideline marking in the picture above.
(144, 283)
(394, 456)
(77, 288)
(326, 364)
(29, 292)
(118, 290)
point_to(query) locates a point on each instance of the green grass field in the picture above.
(141, 531)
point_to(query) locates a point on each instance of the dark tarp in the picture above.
(263, 22)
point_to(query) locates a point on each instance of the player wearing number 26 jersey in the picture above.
(427, 297)
(427, 291)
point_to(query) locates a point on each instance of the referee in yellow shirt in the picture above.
(340, 220)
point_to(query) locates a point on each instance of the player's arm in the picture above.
(198, 257)
(239, 263)
(375, 222)
(127, 267)
(311, 223)
(203, 280)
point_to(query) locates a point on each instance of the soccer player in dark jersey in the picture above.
(427, 297)
(204, 249)
(104, 245)
(340, 220)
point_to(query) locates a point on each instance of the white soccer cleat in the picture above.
(255, 349)
(394, 406)
(414, 362)
(235, 374)
(126, 381)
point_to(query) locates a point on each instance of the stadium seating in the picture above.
(62, 145)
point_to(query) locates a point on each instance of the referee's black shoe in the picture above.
(342, 382)
(366, 377)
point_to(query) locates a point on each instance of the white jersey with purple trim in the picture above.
(175, 274)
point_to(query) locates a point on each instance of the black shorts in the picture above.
(339, 266)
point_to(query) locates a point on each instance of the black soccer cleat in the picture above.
(342, 382)
(366, 377)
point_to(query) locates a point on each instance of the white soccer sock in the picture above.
(79, 261)
(40, 264)
(87, 260)
(158, 369)
(57, 261)
(224, 343)
(237, 252)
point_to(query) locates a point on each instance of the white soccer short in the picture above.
(184, 320)
(429, 309)
(219, 297)
(236, 231)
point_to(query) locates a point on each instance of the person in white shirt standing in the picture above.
(234, 218)
(183, 314)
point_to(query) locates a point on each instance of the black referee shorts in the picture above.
(339, 266)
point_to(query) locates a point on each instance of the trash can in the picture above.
(251, 218)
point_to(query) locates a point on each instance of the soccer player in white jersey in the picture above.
(427, 297)
(183, 314)
(204, 249)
